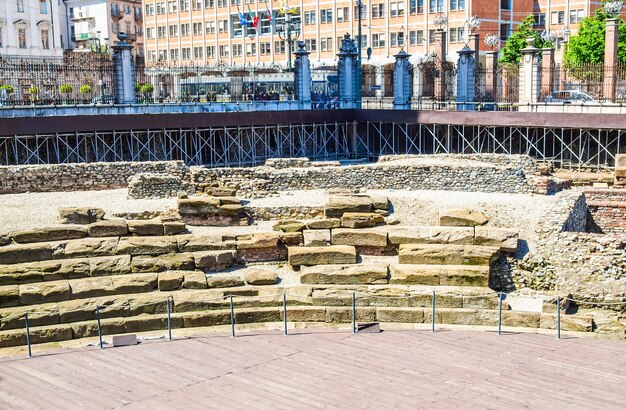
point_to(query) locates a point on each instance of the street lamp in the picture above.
(288, 32)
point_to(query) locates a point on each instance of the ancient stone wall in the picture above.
(79, 177)
(516, 161)
(607, 210)
(151, 185)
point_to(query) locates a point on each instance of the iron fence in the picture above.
(79, 78)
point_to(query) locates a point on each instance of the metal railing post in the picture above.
(232, 316)
(500, 312)
(99, 327)
(433, 312)
(558, 317)
(353, 312)
(30, 354)
(285, 311)
(169, 319)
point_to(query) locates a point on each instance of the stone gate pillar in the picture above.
(547, 72)
(474, 43)
(491, 76)
(402, 82)
(347, 71)
(466, 80)
(302, 77)
(380, 81)
(441, 51)
(610, 58)
(124, 71)
(529, 74)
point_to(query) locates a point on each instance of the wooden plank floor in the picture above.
(325, 369)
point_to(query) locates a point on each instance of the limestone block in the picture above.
(152, 245)
(576, 323)
(81, 216)
(116, 227)
(359, 237)
(54, 333)
(461, 217)
(44, 271)
(9, 296)
(415, 274)
(4, 240)
(44, 292)
(230, 210)
(337, 205)
(361, 219)
(452, 235)
(344, 314)
(256, 276)
(316, 237)
(521, 319)
(49, 234)
(440, 254)
(25, 253)
(193, 243)
(150, 227)
(506, 239)
(290, 238)
(399, 315)
(213, 259)
(84, 309)
(124, 340)
(224, 281)
(328, 223)
(91, 287)
(169, 261)
(229, 200)
(408, 234)
(464, 275)
(468, 317)
(170, 280)
(174, 228)
(289, 225)
(202, 319)
(379, 201)
(109, 265)
(41, 315)
(305, 314)
(322, 255)
(258, 240)
(356, 274)
(86, 247)
(197, 206)
(257, 315)
(150, 323)
(90, 329)
(194, 280)
(222, 191)
(137, 283)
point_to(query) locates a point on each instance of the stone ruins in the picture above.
(318, 233)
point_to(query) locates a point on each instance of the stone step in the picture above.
(321, 255)
(328, 314)
(436, 254)
(345, 274)
(439, 275)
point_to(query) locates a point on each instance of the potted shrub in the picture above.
(85, 90)
(66, 90)
(33, 90)
(147, 90)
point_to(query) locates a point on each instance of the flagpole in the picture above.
(359, 61)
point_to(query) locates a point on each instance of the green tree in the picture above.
(512, 51)
(65, 89)
(85, 89)
(587, 46)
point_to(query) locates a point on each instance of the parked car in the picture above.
(570, 96)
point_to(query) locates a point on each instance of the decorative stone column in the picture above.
(418, 81)
(402, 82)
(302, 77)
(466, 80)
(441, 51)
(347, 72)
(474, 43)
(547, 72)
(124, 71)
(491, 76)
(380, 81)
(610, 58)
(529, 74)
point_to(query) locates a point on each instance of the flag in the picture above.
(287, 9)
(255, 18)
(269, 13)
(242, 19)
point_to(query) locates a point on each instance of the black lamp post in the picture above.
(289, 32)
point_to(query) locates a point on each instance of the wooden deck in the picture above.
(325, 369)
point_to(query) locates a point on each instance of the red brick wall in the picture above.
(607, 210)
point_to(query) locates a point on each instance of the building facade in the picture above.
(32, 29)
(96, 23)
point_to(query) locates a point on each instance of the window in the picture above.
(416, 6)
(185, 29)
(209, 4)
(115, 27)
(251, 49)
(149, 9)
(45, 39)
(378, 40)
(393, 40)
(127, 28)
(197, 29)
(431, 36)
(416, 37)
(456, 34)
(326, 44)
(540, 19)
(237, 50)
(311, 45)
(378, 11)
(198, 53)
(197, 5)
(558, 17)
(309, 17)
(160, 8)
(222, 26)
(266, 49)
(576, 16)
(174, 31)
(435, 6)
(343, 14)
(43, 7)
(279, 47)
(363, 42)
(326, 16)
(505, 4)
(400, 8)
(174, 56)
(186, 53)
(393, 9)
(222, 3)
(184, 5)
(149, 32)
(210, 52)
(505, 31)
(224, 51)
(20, 8)
(210, 27)
(457, 5)
(363, 13)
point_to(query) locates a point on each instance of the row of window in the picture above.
(44, 35)
(43, 6)
(199, 53)
(396, 8)
(558, 17)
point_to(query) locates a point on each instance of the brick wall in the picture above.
(607, 210)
